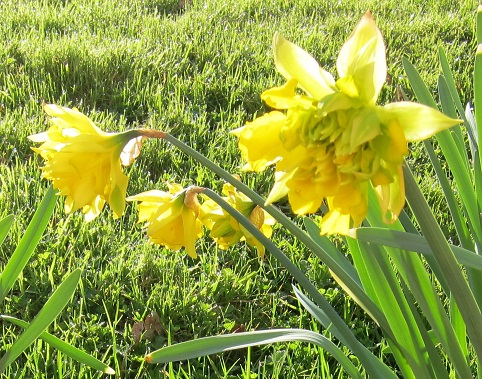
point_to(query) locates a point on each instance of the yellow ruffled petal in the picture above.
(362, 63)
(170, 222)
(294, 63)
(259, 141)
(83, 162)
(417, 121)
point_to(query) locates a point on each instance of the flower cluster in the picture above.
(329, 140)
(85, 165)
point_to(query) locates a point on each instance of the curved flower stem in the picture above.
(288, 224)
(356, 290)
(446, 261)
(298, 275)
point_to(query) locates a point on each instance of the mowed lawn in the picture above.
(195, 68)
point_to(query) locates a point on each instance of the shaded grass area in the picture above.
(195, 69)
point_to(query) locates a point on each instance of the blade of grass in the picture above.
(478, 24)
(27, 244)
(64, 347)
(217, 344)
(5, 225)
(44, 318)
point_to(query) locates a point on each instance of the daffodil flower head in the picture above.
(172, 217)
(224, 228)
(84, 162)
(329, 139)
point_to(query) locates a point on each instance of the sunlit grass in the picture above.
(195, 70)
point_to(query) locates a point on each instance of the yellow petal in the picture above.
(335, 222)
(71, 118)
(361, 63)
(392, 196)
(284, 97)
(190, 231)
(279, 189)
(293, 62)
(117, 197)
(392, 144)
(151, 196)
(259, 141)
(418, 121)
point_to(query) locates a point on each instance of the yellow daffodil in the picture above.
(225, 230)
(329, 139)
(84, 163)
(172, 217)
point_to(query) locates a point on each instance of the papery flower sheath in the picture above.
(84, 162)
(172, 217)
(224, 228)
(328, 138)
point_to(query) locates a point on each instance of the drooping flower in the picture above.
(172, 217)
(84, 162)
(224, 228)
(328, 138)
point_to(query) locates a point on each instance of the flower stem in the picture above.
(446, 260)
(356, 290)
(301, 278)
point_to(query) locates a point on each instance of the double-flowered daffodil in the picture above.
(329, 139)
(172, 217)
(224, 228)
(84, 163)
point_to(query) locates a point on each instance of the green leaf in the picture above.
(64, 347)
(27, 244)
(325, 243)
(446, 261)
(44, 318)
(5, 225)
(217, 344)
(452, 154)
(478, 23)
(451, 86)
(415, 243)
(383, 285)
(324, 320)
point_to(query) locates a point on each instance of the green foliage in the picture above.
(195, 69)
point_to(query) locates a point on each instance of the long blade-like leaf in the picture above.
(44, 318)
(415, 243)
(217, 344)
(323, 319)
(64, 347)
(27, 244)
(5, 225)
(446, 261)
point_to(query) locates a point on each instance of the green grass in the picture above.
(195, 71)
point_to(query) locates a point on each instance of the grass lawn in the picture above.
(195, 68)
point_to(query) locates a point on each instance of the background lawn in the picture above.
(196, 69)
